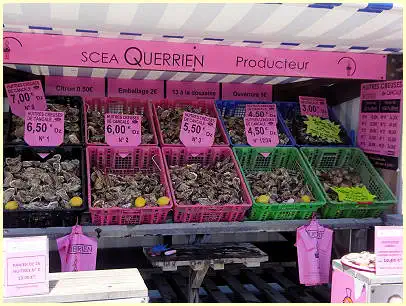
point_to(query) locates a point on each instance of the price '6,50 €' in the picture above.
(43, 128)
(197, 130)
(122, 130)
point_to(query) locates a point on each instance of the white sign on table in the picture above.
(389, 250)
(26, 266)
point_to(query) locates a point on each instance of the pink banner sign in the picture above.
(346, 289)
(74, 86)
(261, 132)
(23, 96)
(261, 110)
(44, 129)
(26, 266)
(80, 51)
(389, 250)
(313, 106)
(247, 92)
(122, 130)
(192, 90)
(380, 118)
(137, 89)
(197, 130)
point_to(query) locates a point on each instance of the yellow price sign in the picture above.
(323, 128)
(354, 194)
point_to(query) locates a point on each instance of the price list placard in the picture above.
(43, 128)
(197, 130)
(122, 130)
(379, 129)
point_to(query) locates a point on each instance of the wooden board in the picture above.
(90, 286)
(214, 292)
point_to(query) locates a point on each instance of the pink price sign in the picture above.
(197, 130)
(137, 89)
(247, 92)
(44, 129)
(192, 90)
(261, 131)
(389, 250)
(74, 86)
(122, 130)
(261, 110)
(380, 118)
(313, 106)
(24, 96)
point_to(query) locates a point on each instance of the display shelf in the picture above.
(180, 229)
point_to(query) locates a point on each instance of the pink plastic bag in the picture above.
(77, 251)
(314, 243)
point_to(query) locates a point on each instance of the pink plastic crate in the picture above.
(117, 106)
(205, 213)
(209, 110)
(111, 160)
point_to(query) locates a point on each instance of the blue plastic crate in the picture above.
(285, 108)
(234, 108)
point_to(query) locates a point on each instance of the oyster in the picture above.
(280, 185)
(115, 190)
(37, 185)
(170, 120)
(95, 125)
(236, 129)
(72, 122)
(216, 184)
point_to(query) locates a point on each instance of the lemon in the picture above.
(140, 202)
(162, 201)
(76, 202)
(306, 199)
(11, 205)
(264, 199)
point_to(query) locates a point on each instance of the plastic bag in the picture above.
(77, 251)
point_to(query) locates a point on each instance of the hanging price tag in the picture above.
(24, 96)
(261, 132)
(197, 130)
(43, 128)
(354, 194)
(261, 110)
(313, 106)
(122, 130)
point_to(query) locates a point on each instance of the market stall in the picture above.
(195, 128)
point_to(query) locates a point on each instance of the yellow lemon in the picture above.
(11, 205)
(306, 199)
(76, 202)
(140, 202)
(264, 199)
(162, 201)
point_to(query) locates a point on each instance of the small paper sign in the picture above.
(137, 89)
(261, 110)
(354, 194)
(26, 266)
(75, 86)
(192, 90)
(122, 130)
(197, 130)
(261, 132)
(389, 250)
(323, 128)
(247, 92)
(313, 106)
(24, 96)
(44, 129)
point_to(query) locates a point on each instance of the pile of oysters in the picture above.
(338, 177)
(236, 130)
(72, 124)
(215, 184)
(170, 120)
(40, 185)
(96, 130)
(279, 186)
(115, 190)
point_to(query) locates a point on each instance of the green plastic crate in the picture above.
(250, 160)
(329, 158)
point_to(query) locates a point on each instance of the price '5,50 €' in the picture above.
(197, 130)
